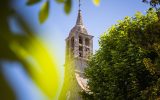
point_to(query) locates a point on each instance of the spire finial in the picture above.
(79, 5)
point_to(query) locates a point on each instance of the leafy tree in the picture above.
(125, 66)
(146, 35)
(145, 32)
(154, 4)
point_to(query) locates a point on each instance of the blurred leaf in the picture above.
(96, 2)
(60, 1)
(44, 12)
(39, 64)
(31, 2)
(67, 6)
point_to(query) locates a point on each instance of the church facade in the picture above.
(79, 47)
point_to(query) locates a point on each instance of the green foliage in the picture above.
(153, 3)
(28, 50)
(67, 6)
(145, 32)
(123, 68)
(44, 12)
(31, 2)
(60, 1)
(147, 36)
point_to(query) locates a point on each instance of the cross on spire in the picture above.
(79, 4)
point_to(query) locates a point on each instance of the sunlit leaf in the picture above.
(67, 6)
(44, 12)
(31, 2)
(96, 2)
(41, 66)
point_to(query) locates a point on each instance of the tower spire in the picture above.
(79, 18)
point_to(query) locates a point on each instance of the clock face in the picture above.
(68, 95)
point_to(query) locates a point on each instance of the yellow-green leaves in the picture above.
(96, 2)
(60, 1)
(31, 2)
(67, 6)
(44, 12)
(40, 65)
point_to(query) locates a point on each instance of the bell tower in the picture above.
(79, 47)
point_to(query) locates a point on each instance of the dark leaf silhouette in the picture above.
(44, 12)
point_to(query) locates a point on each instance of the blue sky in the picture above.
(57, 27)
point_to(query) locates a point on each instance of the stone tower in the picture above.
(79, 46)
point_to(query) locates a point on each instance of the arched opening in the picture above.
(80, 40)
(87, 42)
(80, 51)
(87, 52)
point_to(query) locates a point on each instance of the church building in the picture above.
(79, 47)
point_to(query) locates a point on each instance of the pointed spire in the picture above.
(79, 18)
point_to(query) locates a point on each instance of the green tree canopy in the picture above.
(123, 68)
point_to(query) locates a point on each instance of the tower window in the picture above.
(87, 52)
(80, 48)
(87, 42)
(87, 49)
(80, 40)
(80, 51)
(80, 54)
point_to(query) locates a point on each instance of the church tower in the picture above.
(79, 47)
